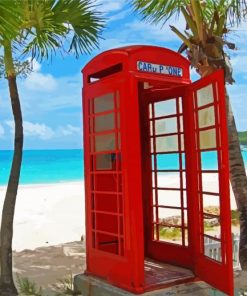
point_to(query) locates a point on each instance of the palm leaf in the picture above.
(61, 25)
(182, 37)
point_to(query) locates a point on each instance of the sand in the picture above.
(47, 217)
(48, 214)
(51, 214)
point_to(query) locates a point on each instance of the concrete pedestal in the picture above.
(91, 286)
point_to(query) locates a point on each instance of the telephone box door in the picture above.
(210, 199)
(188, 205)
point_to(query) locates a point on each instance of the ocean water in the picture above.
(44, 166)
(54, 166)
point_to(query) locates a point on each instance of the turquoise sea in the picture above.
(54, 166)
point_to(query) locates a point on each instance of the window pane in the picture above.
(211, 204)
(166, 144)
(212, 249)
(104, 103)
(169, 216)
(170, 234)
(208, 139)
(168, 180)
(150, 110)
(168, 161)
(210, 182)
(165, 108)
(170, 198)
(205, 95)
(209, 160)
(166, 126)
(105, 142)
(104, 161)
(104, 122)
(206, 117)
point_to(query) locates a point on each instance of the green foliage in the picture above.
(243, 137)
(22, 68)
(170, 233)
(207, 23)
(65, 286)
(235, 217)
(47, 27)
(26, 287)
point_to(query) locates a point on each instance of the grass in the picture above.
(173, 233)
(27, 287)
(65, 286)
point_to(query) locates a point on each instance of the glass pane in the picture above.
(206, 117)
(185, 212)
(150, 110)
(164, 108)
(208, 139)
(212, 249)
(105, 142)
(169, 216)
(182, 142)
(180, 105)
(104, 122)
(170, 234)
(154, 215)
(205, 95)
(209, 160)
(166, 126)
(153, 179)
(151, 127)
(166, 144)
(183, 161)
(210, 182)
(104, 103)
(170, 198)
(211, 204)
(103, 162)
(181, 124)
(168, 161)
(168, 180)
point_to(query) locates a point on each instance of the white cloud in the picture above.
(108, 6)
(41, 131)
(36, 66)
(2, 131)
(69, 130)
(40, 82)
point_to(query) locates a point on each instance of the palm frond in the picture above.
(156, 11)
(9, 21)
(72, 26)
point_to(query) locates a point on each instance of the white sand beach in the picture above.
(47, 214)
(51, 214)
(50, 219)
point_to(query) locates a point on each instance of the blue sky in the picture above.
(51, 95)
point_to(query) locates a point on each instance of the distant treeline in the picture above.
(243, 137)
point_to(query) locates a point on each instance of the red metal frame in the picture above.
(118, 171)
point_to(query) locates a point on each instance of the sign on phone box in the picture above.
(159, 69)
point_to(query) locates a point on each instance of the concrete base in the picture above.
(91, 286)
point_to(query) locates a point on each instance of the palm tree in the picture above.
(205, 40)
(45, 27)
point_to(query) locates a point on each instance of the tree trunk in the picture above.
(238, 181)
(7, 286)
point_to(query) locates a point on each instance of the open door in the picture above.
(186, 179)
(210, 183)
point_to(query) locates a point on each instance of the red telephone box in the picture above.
(148, 132)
